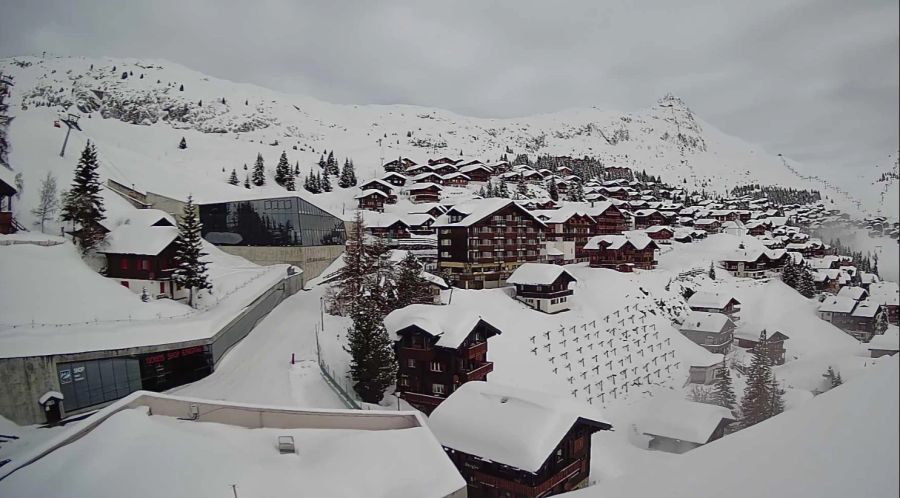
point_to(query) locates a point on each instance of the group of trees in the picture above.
(762, 395)
(367, 288)
(82, 206)
(778, 195)
(799, 277)
(286, 175)
(864, 262)
(494, 189)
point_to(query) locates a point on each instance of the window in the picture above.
(123, 264)
(162, 287)
(436, 366)
(446, 242)
(437, 389)
(411, 363)
(145, 264)
(445, 254)
(404, 381)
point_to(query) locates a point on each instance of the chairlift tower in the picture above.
(71, 121)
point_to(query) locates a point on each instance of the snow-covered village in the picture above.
(241, 279)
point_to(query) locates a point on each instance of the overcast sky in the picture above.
(816, 80)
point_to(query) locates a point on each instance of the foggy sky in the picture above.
(816, 80)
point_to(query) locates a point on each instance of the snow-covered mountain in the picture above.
(138, 110)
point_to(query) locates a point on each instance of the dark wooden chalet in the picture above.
(477, 172)
(438, 350)
(7, 191)
(569, 226)
(395, 179)
(376, 184)
(399, 164)
(424, 192)
(542, 286)
(713, 302)
(443, 160)
(455, 179)
(142, 257)
(510, 442)
(480, 243)
(748, 338)
(445, 169)
(609, 219)
(661, 234)
(373, 200)
(622, 252)
(645, 218)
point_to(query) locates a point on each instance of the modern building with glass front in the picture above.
(286, 229)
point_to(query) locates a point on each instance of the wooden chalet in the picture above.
(714, 302)
(661, 234)
(865, 319)
(424, 192)
(426, 177)
(708, 225)
(373, 200)
(884, 345)
(395, 179)
(482, 242)
(438, 348)
(477, 172)
(418, 169)
(753, 263)
(748, 338)
(542, 286)
(142, 257)
(455, 179)
(399, 164)
(622, 252)
(381, 185)
(512, 442)
(568, 225)
(617, 172)
(8, 190)
(389, 228)
(646, 218)
(621, 193)
(443, 160)
(887, 294)
(677, 425)
(609, 219)
(713, 331)
(445, 169)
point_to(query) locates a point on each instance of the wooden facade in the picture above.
(157, 268)
(424, 193)
(776, 346)
(610, 222)
(624, 258)
(373, 200)
(7, 222)
(566, 469)
(428, 372)
(577, 228)
(483, 254)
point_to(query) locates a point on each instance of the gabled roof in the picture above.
(450, 325)
(866, 309)
(478, 209)
(835, 304)
(751, 333)
(713, 300)
(423, 186)
(676, 418)
(376, 181)
(560, 215)
(367, 193)
(474, 167)
(855, 293)
(700, 321)
(516, 427)
(8, 177)
(139, 240)
(638, 240)
(538, 274)
(886, 293)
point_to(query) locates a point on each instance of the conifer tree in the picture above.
(289, 184)
(489, 192)
(411, 288)
(346, 178)
(190, 269)
(82, 204)
(789, 274)
(762, 396)
(247, 182)
(48, 203)
(282, 170)
(554, 190)
(724, 390)
(712, 271)
(522, 187)
(482, 192)
(373, 366)
(352, 173)
(259, 171)
(326, 184)
(322, 163)
(317, 182)
(233, 179)
(182, 144)
(297, 169)
(330, 163)
(806, 285)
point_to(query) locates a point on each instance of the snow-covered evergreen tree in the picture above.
(347, 177)
(233, 179)
(190, 269)
(48, 203)
(373, 365)
(330, 163)
(805, 283)
(182, 144)
(724, 390)
(411, 288)
(762, 396)
(322, 163)
(325, 184)
(554, 190)
(282, 170)
(247, 182)
(712, 271)
(259, 171)
(289, 183)
(789, 274)
(83, 204)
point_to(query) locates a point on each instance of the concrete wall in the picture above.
(24, 380)
(172, 206)
(312, 259)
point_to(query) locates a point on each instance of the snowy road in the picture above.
(259, 370)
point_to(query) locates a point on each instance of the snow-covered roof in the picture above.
(560, 215)
(474, 167)
(705, 221)
(376, 181)
(701, 321)
(866, 309)
(714, 300)
(855, 293)
(885, 342)
(659, 228)
(366, 193)
(423, 186)
(140, 240)
(455, 174)
(509, 425)
(788, 453)
(680, 419)
(8, 177)
(47, 396)
(450, 325)
(639, 240)
(835, 304)
(478, 209)
(138, 446)
(148, 217)
(886, 293)
(537, 274)
(434, 280)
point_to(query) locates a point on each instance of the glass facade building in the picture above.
(281, 221)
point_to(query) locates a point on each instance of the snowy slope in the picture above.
(148, 116)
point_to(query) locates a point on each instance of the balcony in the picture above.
(421, 399)
(546, 294)
(479, 372)
(476, 351)
(418, 354)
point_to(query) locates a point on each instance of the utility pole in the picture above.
(71, 121)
